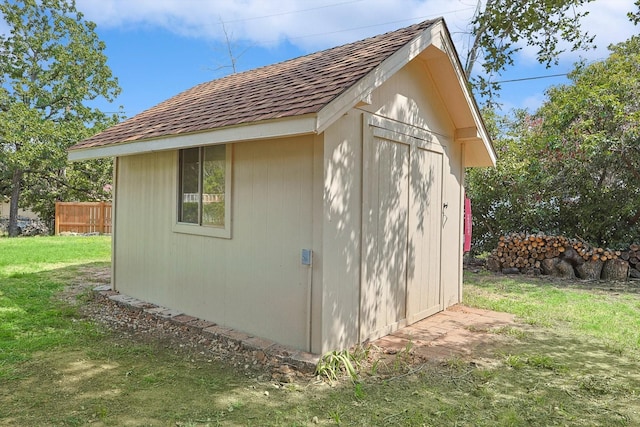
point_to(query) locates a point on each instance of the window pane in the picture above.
(189, 193)
(213, 185)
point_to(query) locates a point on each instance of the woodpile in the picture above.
(562, 257)
(632, 256)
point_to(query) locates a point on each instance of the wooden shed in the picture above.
(317, 202)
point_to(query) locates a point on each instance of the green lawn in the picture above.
(611, 316)
(572, 362)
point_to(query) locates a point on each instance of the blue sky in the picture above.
(158, 48)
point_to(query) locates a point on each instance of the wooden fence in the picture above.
(83, 217)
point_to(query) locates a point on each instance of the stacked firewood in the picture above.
(632, 256)
(528, 251)
(560, 256)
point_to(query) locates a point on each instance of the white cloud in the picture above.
(533, 102)
(317, 24)
(310, 25)
(607, 21)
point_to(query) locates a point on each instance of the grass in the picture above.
(562, 367)
(38, 254)
(611, 317)
(30, 319)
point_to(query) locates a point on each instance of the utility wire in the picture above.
(291, 12)
(414, 19)
(532, 78)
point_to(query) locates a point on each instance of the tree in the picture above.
(573, 167)
(499, 28)
(589, 142)
(635, 16)
(51, 64)
(510, 197)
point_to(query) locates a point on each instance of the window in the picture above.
(203, 195)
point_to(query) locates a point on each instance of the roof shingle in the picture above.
(295, 87)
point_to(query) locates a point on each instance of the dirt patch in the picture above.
(142, 326)
(87, 278)
(461, 333)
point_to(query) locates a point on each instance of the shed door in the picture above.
(424, 288)
(385, 230)
(401, 228)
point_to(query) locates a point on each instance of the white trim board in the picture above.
(300, 125)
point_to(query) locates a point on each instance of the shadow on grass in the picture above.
(558, 381)
(539, 376)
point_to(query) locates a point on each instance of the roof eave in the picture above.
(437, 34)
(483, 153)
(279, 128)
(362, 90)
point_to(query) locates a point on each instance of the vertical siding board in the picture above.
(341, 227)
(370, 277)
(243, 282)
(317, 215)
(453, 176)
(242, 267)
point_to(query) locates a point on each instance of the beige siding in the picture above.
(411, 96)
(341, 225)
(254, 281)
(418, 232)
(385, 228)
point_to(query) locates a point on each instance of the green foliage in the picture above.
(573, 168)
(51, 65)
(589, 143)
(509, 198)
(213, 213)
(501, 27)
(635, 16)
(335, 363)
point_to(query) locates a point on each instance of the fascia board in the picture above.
(374, 79)
(447, 46)
(265, 130)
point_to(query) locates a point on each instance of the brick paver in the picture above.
(456, 331)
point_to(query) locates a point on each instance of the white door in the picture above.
(401, 228)
(424, 288)
(385, 227)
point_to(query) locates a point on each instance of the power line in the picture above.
(416, 18)
(291, 12)
(532, 78)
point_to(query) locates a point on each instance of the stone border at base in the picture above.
(301, 360)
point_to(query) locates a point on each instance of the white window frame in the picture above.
(206, 230)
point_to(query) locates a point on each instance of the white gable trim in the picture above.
(298, 125)
(361, 91)
(436, 35)
(482, 136)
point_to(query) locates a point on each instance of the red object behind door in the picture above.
(467, 224)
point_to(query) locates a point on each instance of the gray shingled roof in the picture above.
(299, 86)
